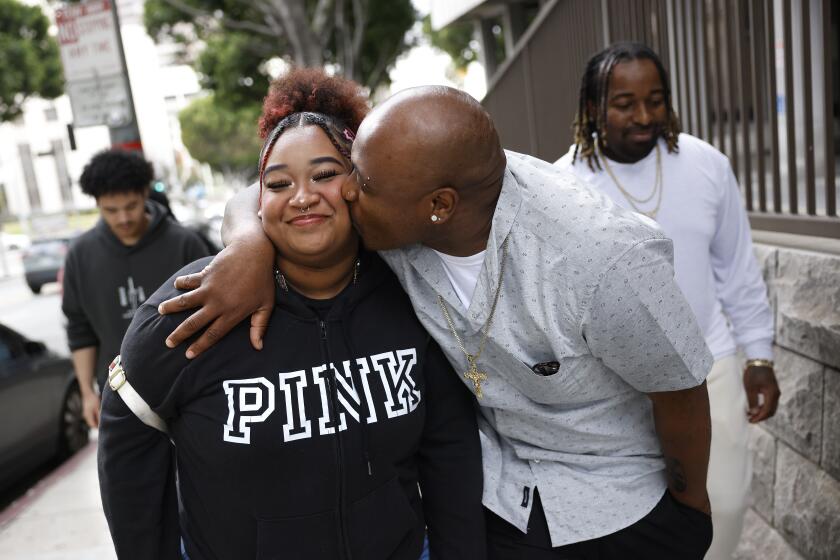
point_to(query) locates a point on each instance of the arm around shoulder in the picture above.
(239, 283)
(241, 221)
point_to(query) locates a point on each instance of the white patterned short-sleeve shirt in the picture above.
(589, 286)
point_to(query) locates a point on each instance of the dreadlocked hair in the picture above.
(308, 96)
(593, 93)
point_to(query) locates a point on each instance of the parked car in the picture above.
(42, 261)
(40, 406)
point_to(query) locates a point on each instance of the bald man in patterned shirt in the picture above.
(560, 309)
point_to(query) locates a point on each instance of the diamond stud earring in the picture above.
(434, 218)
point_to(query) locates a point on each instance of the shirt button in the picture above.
(537, 461)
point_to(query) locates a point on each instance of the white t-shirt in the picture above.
(702, 212)
(463, 274)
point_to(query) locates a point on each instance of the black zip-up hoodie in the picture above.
(105, 281)
(262, 471)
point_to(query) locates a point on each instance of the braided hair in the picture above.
(593, 93)
(308, 96)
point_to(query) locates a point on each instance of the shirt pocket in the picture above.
(577, 379)
(559, 386)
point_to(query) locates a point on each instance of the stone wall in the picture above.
(795, 512)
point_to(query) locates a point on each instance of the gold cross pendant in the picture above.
(477, 377)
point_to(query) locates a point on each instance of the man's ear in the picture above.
(442, 203)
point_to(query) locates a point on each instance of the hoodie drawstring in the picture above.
(357, 383)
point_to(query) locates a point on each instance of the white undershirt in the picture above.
(463, 274)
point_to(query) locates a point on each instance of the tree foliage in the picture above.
(29, 59)
(224, 137)
(360, 39)
(455, 39)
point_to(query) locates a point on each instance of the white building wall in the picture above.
(38, 130)
(152, 84)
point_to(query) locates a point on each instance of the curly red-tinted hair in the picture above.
(312, 90)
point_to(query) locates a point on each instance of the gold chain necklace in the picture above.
(633, 200)
(473, 374)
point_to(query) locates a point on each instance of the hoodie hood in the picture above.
(158, 219)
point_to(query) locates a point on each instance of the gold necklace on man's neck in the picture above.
(633, 200)
(473, 374)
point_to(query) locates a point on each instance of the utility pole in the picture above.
(127, 135)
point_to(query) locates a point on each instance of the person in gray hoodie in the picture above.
(111, 268)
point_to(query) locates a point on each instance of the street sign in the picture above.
(102, 100)
(90, 53)
(88, 39)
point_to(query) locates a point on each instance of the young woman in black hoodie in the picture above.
(314, 447)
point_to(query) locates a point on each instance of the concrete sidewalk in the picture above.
(60, 518)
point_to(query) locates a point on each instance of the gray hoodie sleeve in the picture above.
(80, 333)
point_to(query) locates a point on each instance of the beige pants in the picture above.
(730, 462)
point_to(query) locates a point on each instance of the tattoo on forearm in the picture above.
(676, 474)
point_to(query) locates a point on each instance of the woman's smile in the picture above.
(308, 220)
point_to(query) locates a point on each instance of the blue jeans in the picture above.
(425, 554)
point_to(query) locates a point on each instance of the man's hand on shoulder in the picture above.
(238, 283)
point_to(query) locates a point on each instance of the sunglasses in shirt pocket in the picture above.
(546, 369)
(547, 382)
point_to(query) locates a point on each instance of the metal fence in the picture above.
(756, 78)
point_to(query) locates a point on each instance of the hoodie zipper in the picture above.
(331, 386)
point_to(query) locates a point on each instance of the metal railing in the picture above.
(755, 78)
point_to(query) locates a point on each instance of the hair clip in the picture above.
(349, 135)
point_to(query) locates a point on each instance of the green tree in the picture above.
(29, 60)
(359, 39)
(455, 39)
(224, 137)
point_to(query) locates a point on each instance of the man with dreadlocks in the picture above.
(627, 138)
